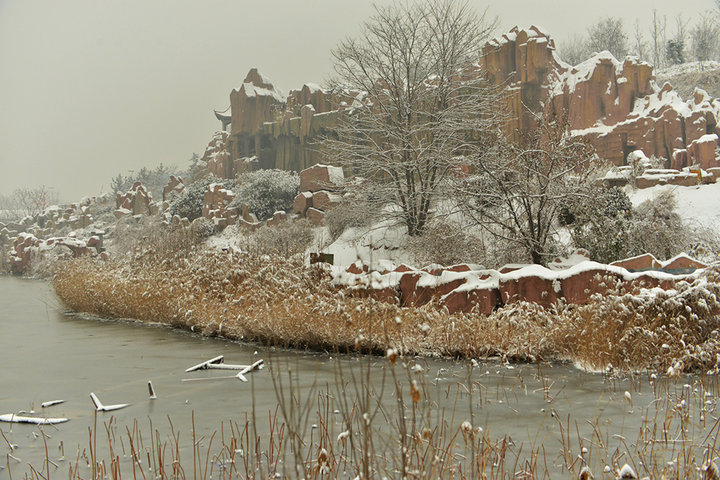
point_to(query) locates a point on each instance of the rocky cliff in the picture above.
(616, 105)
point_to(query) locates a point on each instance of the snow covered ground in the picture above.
(698, 205)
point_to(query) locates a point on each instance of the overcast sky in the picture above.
(92, 88)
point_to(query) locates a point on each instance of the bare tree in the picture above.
(705, 36)
(608, 34)
(26, 201)
(518, 193)
(658, 39)
(422, 93)
(574, 50)
(640, 46)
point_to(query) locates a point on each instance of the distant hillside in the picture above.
(685, 77)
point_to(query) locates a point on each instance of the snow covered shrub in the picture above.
(285, 239)
(349, 214)
(190, 202)
(447, 243)
(266, 191)
(202, 227)
(129, 233)
(609, 232)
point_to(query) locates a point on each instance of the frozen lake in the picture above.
(47, 354)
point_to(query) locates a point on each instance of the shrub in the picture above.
(202, 228)
(285, 239)
(349, 214)
(267, 191)
(609, 231)
(190, 202)
(447, 243)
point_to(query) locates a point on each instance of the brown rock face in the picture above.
(175, 186)
(135, 201)
(321, 177)
(482, 300)
(578, 288)
(642, 262)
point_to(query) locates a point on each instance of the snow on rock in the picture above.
(135, 201)
(321, 177)
(483, 290)
(614, 104)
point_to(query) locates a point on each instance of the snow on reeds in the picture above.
(281, 301)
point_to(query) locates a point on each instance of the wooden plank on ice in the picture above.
(204, 365)
(105, 408)
(255, 366)
(12, 418)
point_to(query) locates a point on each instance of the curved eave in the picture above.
(223, 116)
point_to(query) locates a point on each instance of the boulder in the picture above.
(480, 300)
(302, 202)
(321, 177)
(315, 217)
(702, 151)
(682, 264)
(324, 200)
(532, 284)
(578, 288)
(646, 261)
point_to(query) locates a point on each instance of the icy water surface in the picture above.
(46, 355)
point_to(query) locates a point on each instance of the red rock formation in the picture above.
(321, 177)
(646, 261)
(480, 300)
(254, 103)
(174, 186)
(135, 201)
(216, 205)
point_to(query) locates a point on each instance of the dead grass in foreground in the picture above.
(280, 301)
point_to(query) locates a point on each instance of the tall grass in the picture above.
(176, 280)
(397, 424)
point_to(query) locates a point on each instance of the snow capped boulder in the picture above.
(646, 261)
(135, 201)
(324, 200)
(175, 186)
(321, 177)
(534, 283)
(315, 217)
(302, 202)
(589, 280)
(703, 149)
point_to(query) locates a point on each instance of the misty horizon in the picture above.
(91, 89)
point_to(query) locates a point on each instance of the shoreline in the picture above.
(278, 301)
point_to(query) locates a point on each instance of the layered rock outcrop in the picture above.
(467, 288)
(615, 105)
